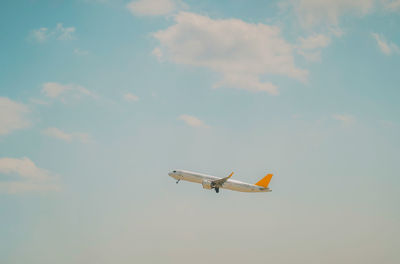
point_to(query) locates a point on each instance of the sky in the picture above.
(100, 99)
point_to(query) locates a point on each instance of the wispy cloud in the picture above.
(312, 13)
(387, 47)
(343, 118)
(64, 33)
(28, 177)
(131, 97)
(157, 53)
(13, 116)
(59, 32)
(392, 5)
(314, 42)
(192, 121)
(59, 134)
(241, 52)
(40, 35)
(38, 101)
(154, 7)
(81, 52)
(310, 47)
(57, 90)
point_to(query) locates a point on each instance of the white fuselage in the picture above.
(229, 184)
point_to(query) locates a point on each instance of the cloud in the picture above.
(38, 101)
(131, 97)
(391, 5)
(241, 52)
(192, 121)
(310, 47)
(385, 46)
(153, 7)
(13, 116)
(310, 55)
(343, 118)
(59, 32)
(23, 167)
(29, 176)
(158, 53)
(59, 134)
(57, 90)
(64, 33)
(81, 52)
(314, 42)
(40, 35)
(312, 13)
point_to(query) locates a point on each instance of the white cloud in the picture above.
(157, 52)
(385, 46)
(57, 90)
(81, 52)
(343, 118)
(391, 5)
(192, 121)
(53, 90)
(336, 31)
(131, 97)
(23, 167)
(82, 137)
(314, 42)
(38, 101)
(64, 33)
(59, 134)
(241, 52)
(248, 82)
(13, 116)
(40, 35)
(29, 176)
(327, 12)
(310, 47)
(152, 7)
(59, 32)
(310, 55)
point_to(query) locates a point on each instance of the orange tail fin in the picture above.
(264, 182)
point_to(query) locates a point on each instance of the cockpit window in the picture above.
(174, 171)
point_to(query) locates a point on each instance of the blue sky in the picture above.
(100, 99)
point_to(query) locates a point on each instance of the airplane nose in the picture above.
(173, 174)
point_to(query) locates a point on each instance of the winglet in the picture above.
(264, 182)
(230, 175)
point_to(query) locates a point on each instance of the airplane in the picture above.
(211, 182)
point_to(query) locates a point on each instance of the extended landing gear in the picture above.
(177, 181)
(217, 190)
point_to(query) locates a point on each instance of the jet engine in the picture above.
(207, 184)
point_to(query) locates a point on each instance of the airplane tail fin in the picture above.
(264, 182)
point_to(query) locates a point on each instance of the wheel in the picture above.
(217, 190)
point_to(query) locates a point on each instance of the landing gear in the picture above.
(177, 181)
(216, 189)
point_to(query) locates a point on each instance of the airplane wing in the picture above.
(220, 182)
